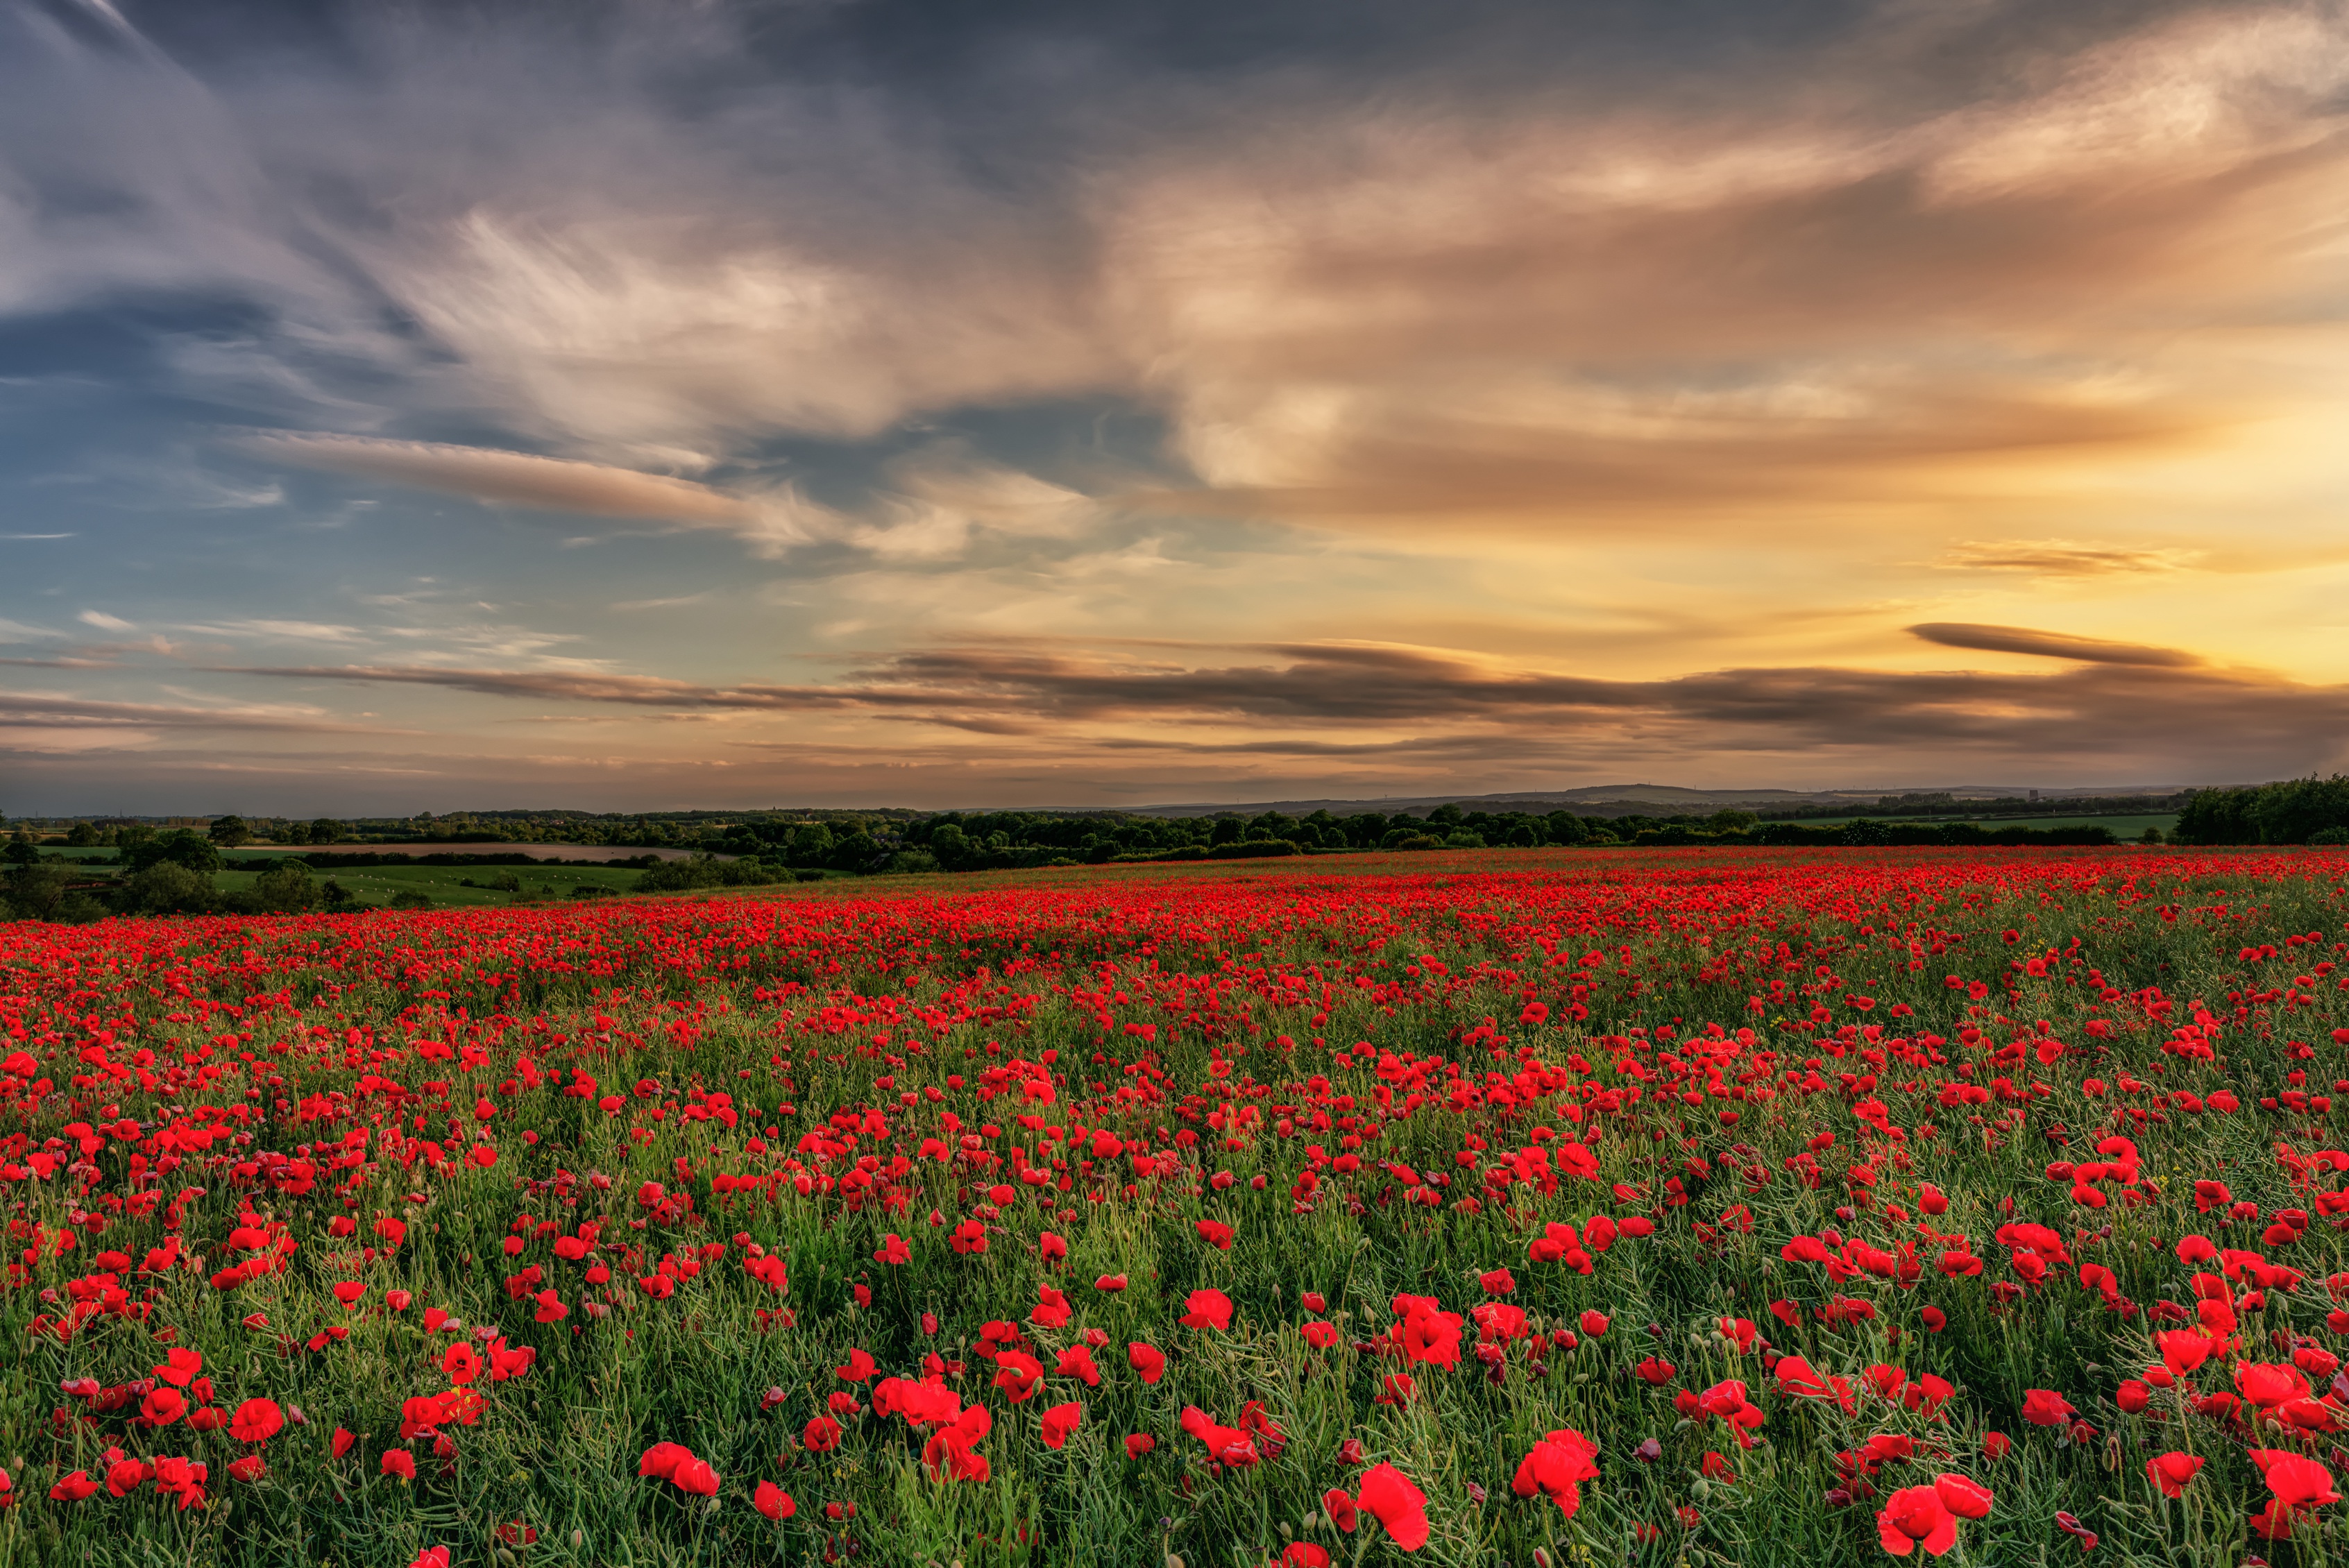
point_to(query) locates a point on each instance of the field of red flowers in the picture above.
(1747, 1208)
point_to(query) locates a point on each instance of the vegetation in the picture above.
(1779, 1209)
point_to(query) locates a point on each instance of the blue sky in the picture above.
(649, 404)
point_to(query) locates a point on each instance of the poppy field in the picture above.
(1744, 1207)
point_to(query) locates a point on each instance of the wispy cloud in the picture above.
(2064, 558)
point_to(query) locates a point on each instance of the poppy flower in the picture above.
(1077, 1361)
(180, 1366)
(1304, 1554)
(460, 1363)
(1019, 1375)
(773, 1502)
(894, 1249)
(1916, 1516)
(1497, 1282)
(1388, 1495)
(1556, 1467)
(1217, 1234)
(1060, 1421)
(342, 1441)
(860, 1368)
(1320, 1335)
(821, 1436)
(2171, 1472)
(257, 1421)
(1594, 1323)
(431, 1557)
(1208, 1309)
(162, 1406)
(1138, 1444)
(1340, 1508)
(73, 1487)
(2046, 1407)
(695, 1477)
(1963, 1496)
(398, 1463)
(1110, 1282)
(249, 1469)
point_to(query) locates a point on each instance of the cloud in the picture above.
(52, 721)
(2063, 557)
(511, 479)
(2050, 644)
(105, 622)
(1351, 698)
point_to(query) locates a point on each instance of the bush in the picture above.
(165, 887)
(180, 848)
(409, 898)
(1250, 849)
(703, 871)
(913, 861)
(2322, 836)
(286, 888)
(35, 891)
(1409, 841)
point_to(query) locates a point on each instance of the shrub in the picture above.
(409, 898)
(165, 887)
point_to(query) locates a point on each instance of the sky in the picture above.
(705, 403)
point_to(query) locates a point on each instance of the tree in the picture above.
(20, 851)
(286, 888)
(326, 831)
(230, 831)
(35, 891)
(1730, 820)
(164, 887)
(82, 835)
(180, 847)
(811, 843)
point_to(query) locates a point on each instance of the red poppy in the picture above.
(860, 1368)
(1387, 1493)
(1555, 1468)
(398, 1463)
(1060, 1421)
(2171, 1472)
(1208, 1309)
(773, 1502)
(820, 1435)
(2046, 1407)
(1149, 1362)
(894, 1249)
(1138, 1444)
(73, 1487)
(1916, 1516)
(257, 1421)
(1320, 1335)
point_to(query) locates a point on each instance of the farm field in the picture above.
(1674, 1206)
